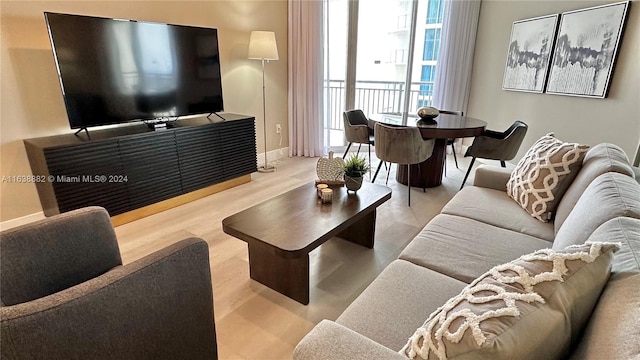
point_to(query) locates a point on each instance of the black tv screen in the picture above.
(114, 71)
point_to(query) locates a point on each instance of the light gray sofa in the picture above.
(64, 294)
(482, 227)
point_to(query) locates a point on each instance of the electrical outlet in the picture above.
(278, 128)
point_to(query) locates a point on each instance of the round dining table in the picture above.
(445, 126)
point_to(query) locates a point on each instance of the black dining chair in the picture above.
(451, 142)
(401, 145)
(495, 145)
(356, 130)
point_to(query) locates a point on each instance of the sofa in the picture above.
(65, 294)
(481, 227)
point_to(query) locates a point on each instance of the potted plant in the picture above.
(354, 169)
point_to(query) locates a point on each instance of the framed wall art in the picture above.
(585, 51)
(529, 53)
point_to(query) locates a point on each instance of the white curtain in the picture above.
(452, 83)
(305, 78)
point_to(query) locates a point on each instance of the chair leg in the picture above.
(503, 164)
(388, 172)
(453, 149)
(409, 181)
(377, 171)
(468, 171)
(445, 161)
(346, 151)
(369, 160)
(358, 152)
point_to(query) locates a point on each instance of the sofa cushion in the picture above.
(390, 309)
(608, 196)
(531, 308)
(465, 248)
(483, 204)
(544, 173)
(600, 159)
(613, 331)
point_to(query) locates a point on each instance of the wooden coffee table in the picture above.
(283, 230)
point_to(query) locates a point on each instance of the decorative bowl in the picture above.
(428, 112)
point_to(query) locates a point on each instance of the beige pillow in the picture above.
(531, 308)
(544, 174)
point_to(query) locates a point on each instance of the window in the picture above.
(434, 12)
(431, 44)
(426, 90)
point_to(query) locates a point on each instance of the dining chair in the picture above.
(450, 142)
(401, 145)
(495, 145)
(356, 130)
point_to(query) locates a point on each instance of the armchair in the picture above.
(401, 145)
(356, 130)
(496, 145)
(64, 294)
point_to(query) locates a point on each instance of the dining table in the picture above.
(443, 127)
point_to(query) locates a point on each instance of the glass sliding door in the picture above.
(378, 59)
(384, 28)
(336, 30)
(428, 33)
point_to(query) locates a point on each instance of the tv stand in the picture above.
(133, 168)
(159, 126)
(85, 130)
(216, 114)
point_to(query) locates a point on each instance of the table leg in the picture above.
(288, 276)
(362, 232)
(428, 173)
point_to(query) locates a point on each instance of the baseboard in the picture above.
(142, 212)
(5, 225)
(274, 156)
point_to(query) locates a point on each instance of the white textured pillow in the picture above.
(544, 174)
(531, 308)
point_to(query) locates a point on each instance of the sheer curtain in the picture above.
(452, 83)
(306, 67)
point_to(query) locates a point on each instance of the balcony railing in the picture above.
(375, 97)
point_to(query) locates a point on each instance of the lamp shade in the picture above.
(262, 45)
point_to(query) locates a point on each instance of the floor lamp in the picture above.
(262, 46)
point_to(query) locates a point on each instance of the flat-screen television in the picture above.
(113, 71)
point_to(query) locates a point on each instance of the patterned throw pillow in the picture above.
(544, 174)
(531, 308)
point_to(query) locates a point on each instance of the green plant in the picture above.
(356, 166)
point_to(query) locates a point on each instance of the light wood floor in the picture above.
(253, 321)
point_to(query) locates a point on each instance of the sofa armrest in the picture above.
(329, 340)
(158, 307)
(492, 177)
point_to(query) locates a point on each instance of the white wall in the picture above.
(615, 119)
(31, 102)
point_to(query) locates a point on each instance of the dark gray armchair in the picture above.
(65, 294)
(496, 145)
(356, 130)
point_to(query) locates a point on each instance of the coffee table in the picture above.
(281, 232)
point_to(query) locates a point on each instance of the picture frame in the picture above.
(585, 51)
(529, 53)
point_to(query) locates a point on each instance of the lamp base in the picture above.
(266, 169)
